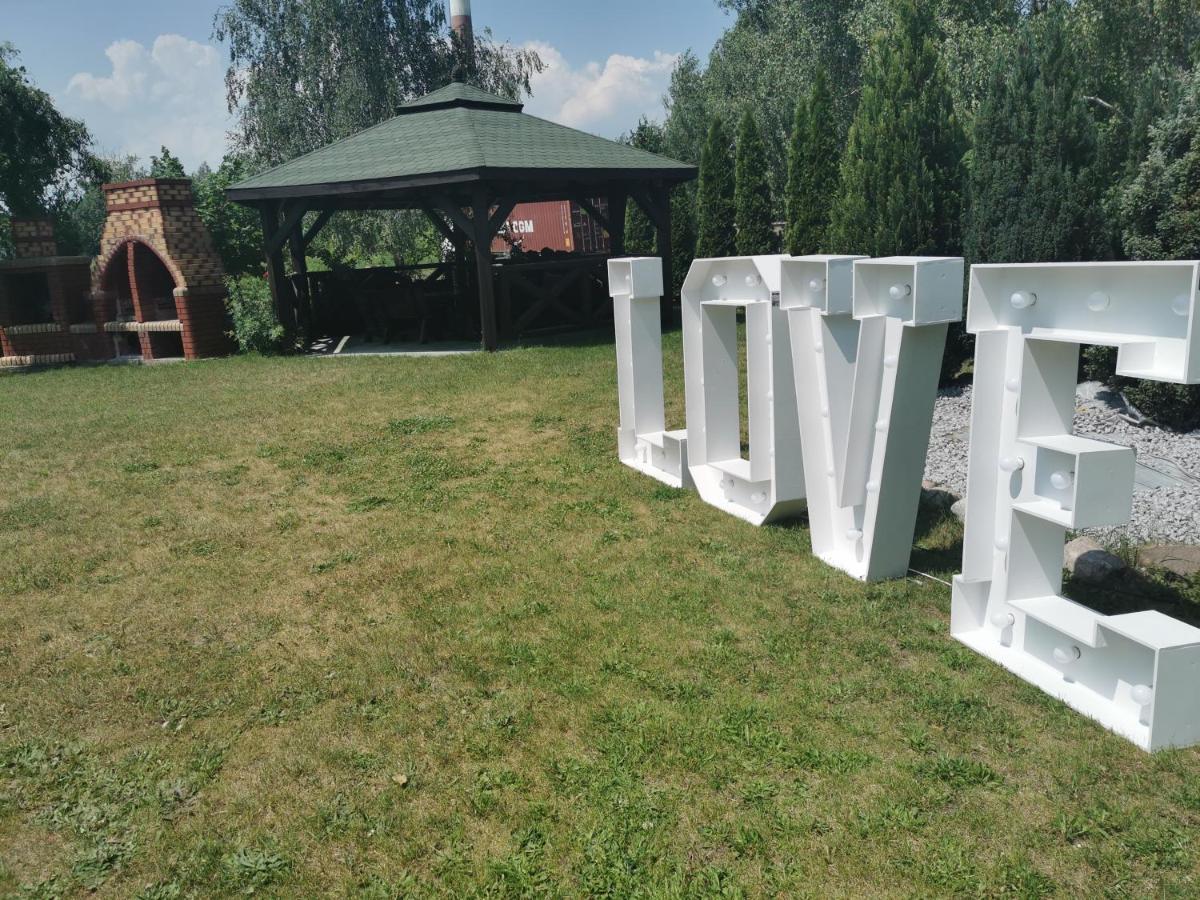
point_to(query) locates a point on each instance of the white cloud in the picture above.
(171, 94)
(605, 99)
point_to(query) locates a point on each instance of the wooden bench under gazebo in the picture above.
(465, 158)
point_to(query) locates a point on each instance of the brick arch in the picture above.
(126, 243)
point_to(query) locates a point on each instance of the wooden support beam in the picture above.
(504, 208)
(455, 214)
(281, 291)
(649, 201)
(293, 216)
(590, 208)
(321, 221)
(481, 235)
(304, 311)
(446, 230)
(618, 205)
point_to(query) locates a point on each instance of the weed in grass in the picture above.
(254, 867)
(1017, 876)
(369, 503)
(415, 425)
(139, 466)
(957, 771)
(336, 562)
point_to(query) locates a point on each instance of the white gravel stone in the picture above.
(1160, 514)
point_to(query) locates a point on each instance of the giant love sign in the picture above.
(842, 362)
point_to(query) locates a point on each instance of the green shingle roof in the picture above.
(458, 94)
(459, 129)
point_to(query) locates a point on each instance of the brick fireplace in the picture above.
(156, 292)
(46, 314)
(158, 288)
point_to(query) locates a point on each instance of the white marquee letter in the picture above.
(768, 483)
(867, 339)
(1031, 480)
(643, 443)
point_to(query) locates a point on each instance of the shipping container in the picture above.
(537, 226)
(557, 225)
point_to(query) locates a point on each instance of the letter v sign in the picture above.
(867, 342)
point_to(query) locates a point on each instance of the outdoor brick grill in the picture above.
(159, 285)
(156, 291)
(45, 315)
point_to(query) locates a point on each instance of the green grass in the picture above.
(376, 628)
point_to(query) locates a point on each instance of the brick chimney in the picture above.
(33, 238)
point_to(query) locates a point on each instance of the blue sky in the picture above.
(142, 74)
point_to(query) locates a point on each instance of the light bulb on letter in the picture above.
(1012, 464)
(1064, 656)
(899, 291)
(1099, 301)
(1023, 299)
(719, 281)
(1061, 481)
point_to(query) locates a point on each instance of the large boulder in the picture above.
(959, 509)
(1090, 563)
(1181, 559)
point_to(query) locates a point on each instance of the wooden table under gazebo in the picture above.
(465, 158)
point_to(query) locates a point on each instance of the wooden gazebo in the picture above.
(465, 158)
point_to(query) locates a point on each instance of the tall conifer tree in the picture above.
(901, 175)
(752, 192)
(715, 196)
(1035, 191)
(812, 170)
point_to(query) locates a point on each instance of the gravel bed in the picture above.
(1160, 514)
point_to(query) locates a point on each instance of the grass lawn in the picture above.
(407, 628)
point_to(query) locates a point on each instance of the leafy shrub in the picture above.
(255, 326)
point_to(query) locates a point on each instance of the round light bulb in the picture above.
(1061, 481)
(1004, 620)
(719, 281)
(854, 534)
(1023, 299)
(1099, 301)
(1013, 385)
(753, 281)
(881, 425)
(818, 347)
(1181, 305)
(816, 285)
(1002, 544)
(891, 361)
(1143, 694)
(830, 473)
(1012, 464)
(899, 291)
(872, 487)
(1064, 656)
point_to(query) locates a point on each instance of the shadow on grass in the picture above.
(1135, 590)
(937, 542)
